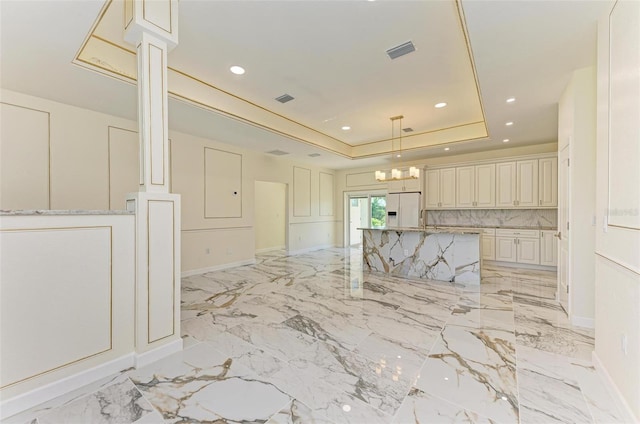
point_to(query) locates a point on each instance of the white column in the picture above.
(151, 25)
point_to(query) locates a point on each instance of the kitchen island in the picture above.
(444, 255)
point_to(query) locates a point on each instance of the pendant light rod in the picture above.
(396, 174)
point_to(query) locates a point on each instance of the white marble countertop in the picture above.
(424, 230)
(505, 227)
(39, 212)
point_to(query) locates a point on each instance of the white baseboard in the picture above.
(583, 322)
(271, 249)
(621, 403)
(309, 249)
(217, 267)
(158, 353)
(24, 401)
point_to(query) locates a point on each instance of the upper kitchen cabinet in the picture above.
(441, 188)
(517, 184)
(475, 186)
(548, 182)
(409, 185)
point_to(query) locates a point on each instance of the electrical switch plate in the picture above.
(406, 252)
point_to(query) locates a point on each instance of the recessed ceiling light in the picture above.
(506, 140)
(238, 70)
(441, 104)
(398, 156)
(511, 99)
(446, 149)
(508, 124)
(346, 128)
(346, 408)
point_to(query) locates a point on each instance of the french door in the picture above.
(365, 210)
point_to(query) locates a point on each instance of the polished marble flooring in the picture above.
(313, 339)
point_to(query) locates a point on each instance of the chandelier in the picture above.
(396, 173)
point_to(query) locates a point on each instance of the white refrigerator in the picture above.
(403, 209)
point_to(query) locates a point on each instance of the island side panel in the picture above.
(467, 258)
(375, 250)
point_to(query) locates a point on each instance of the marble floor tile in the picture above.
(119, 403)
(420, 407)
(476, 369)
(393, 354)
(313, 338)
(154, 417)
(548, 329)
(601, 404)
(280, 340)
(342, 408)
(202, 384)
(247, 355)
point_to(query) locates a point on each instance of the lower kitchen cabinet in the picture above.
(506, 249)
(489, 244)
(521, 246)
(548, 248)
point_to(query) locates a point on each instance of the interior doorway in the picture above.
(564, 237)
(270, 216)
(365, 210)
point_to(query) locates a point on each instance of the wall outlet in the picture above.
(229, 251)
(624, 344)
(207, 251)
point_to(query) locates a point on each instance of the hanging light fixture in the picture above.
(397, 174)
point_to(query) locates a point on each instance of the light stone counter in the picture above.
(39, 212)
(444, 255)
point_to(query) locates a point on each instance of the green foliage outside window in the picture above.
(378, 211)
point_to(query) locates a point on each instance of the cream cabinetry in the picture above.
(489, 244)
(441, 188)
(408, 185)
(548, 182)
(517, 184)
(522, 246)
(525, 183)
(475, 186)
(548, 248)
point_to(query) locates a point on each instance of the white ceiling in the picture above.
(331, 57)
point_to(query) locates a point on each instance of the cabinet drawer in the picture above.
(489, 231)
(503, 232)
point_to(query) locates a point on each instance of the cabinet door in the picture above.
(412, 185)
(465, 187)
(488, 248)
(527, 179)
(506, 249)
(395, 186)
(506, 184)
(485, 186)
(548, 248)
(548, 182)
(528, 250)
(432, 197)
(448, 188)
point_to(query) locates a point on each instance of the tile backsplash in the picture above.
(533, 218)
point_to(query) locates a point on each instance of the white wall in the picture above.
(617, 271)
(577, 126)
(361, 180)
(92, 163)
(270, 217)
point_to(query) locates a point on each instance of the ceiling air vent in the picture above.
(284, 98)
(314, 155)
(278, 152)
(407, 129)
(401, 50)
